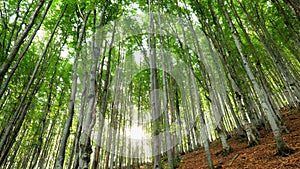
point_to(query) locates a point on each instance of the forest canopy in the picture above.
(119, 84)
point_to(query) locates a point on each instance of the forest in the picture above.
(103, 84)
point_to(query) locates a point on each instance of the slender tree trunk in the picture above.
(33, 77)
(281, 146)
(11, 73)
(294, 5)
(88, 124)
(5, 66)
(103, 98)
(66, 132)
(165, 102)
(17, 147)
(155, 99)
(103, 108)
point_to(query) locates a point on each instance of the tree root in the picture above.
(224, 152)
(253, 143)
(285, 152)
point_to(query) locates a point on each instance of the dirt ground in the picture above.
(260, 156)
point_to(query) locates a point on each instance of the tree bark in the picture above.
(66, 132)
(281, 146)
(5, 66)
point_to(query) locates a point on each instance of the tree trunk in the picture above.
(281, 146)
(66, 132)
(5, 66)
(155, 99)
(11, 73)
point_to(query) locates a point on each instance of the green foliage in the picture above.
(272, 23)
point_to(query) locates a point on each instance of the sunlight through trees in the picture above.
(127, 84)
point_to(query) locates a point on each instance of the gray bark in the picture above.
(68, 124)
(20, 40)
(281, 146)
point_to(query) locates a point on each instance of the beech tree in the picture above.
(104, 84)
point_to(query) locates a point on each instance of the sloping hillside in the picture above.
(261, 156)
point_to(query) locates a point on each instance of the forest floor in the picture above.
(260, 156)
